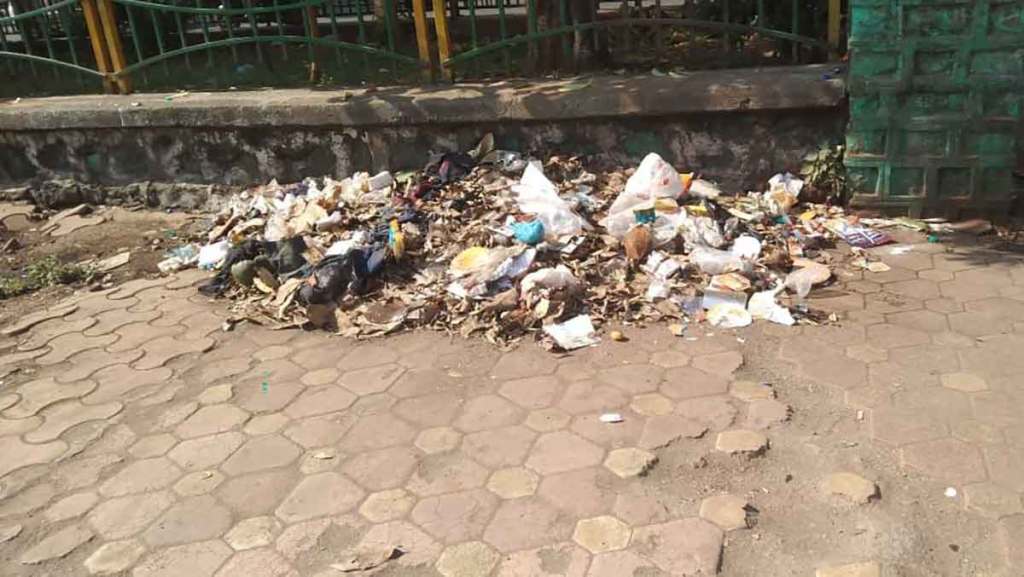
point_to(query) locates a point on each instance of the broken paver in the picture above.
(602, 534)
(253, 532)
(687, 547)
(57, 545)
(194, 560)
(763, 413)
(729, 512)
(751, 443)
(630, 462)
(750, 391)
(851, 486)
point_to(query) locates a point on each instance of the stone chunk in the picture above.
(750, 391)
(764, 413)
(851, 486)
(630, 462)
(750, 443)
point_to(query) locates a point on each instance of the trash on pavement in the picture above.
(611, 418)
(573, 334)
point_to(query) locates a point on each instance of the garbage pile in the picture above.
(492, 244)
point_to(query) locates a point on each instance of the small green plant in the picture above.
(46, 272)
(825, 174)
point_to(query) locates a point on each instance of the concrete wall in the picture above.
(737, 127)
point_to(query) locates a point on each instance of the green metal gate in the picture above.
(935, 103)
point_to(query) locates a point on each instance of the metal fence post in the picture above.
(835, 16)
(444, 45)
(419, 16)
(113, 36)
(99, 47)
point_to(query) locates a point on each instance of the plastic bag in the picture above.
(701, 231)
(746, 247)
(212, 255)
(653, 179)
(729, 316)
(535, 194)
(713, 261)
(549, 278)
(762, 305)
(574, 333)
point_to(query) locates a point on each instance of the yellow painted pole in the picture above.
(117, 59)
(99, 47)
(444, 45)
(419, 16)
(835, 19)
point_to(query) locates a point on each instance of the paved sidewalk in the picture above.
(140, 438)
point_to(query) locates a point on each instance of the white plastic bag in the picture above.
(713, 261)
(762, 305)
(549, 278)
(574, 333)
(535, 194)
(212, 255)
(653, 179)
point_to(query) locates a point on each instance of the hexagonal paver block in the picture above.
(630, 462)
(320, 495)
(664, 430)
(562, 451)
(430, 410)
(58, 544)
(949, 460)
(532, 392)
(253, 532)
(455, 517)
(371, 380)
(580, 493)
(216, 394)
(258, 493)
(114, 557)
(523, 362)
(764, 413)
(670, 359)
(901, 426)
(438, 440)
(387, 505)
(724, 363)
(633, 379)
(198, 483)
(256, 562)
(992, 500)
(525, 523)
(555, 560)
(266, 452)
(487, 412)
(729, 512)
(206, 452)
(966, 382)
(152, 446)
(446, 473)
(194, 559)
(851, 486)
(687, 383)
(502, 447)
(750, 443)
(419, 547)
(585, 397)
(377, 432)
(382, 469)
(472, 559)
(319, 401)
(751, 391)
(868, 569)
(125, 516)
(547, 420)
(210, 420)
(651, 404)
(71, 507)
(689, 547)
(602, 534)
(513, 483)
(141, 476)
(194, 519)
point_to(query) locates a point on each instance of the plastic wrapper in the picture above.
(713, 261)
(653, 179)
(536, 195)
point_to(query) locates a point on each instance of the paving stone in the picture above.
(630, 462)
(521, 363)
(751, 443)
(751, 391)
(585, 397)
(320, 431)
(117, 381)
(299, 538)
(65, 346)
(764, 413)
(438, 440)
(580, 493)
(670, 359)
(866, 353)
(216, 394)
(387, 505)
(625, 433)
(1010, 534)
(513, 483)
(193, 519)
(141, 476)
(8, 362)
(562, 451)
(639, 508)
(471, 559)
(49, 330)
(724, 363)
(265, 424)
(152, 446)
(195, 560)
(266, 452)
(446, 473)
(869, 569)
(28, 321)
(502, 447)
(257, 399)
(651, 404)
(487, 412)
(320, 495)
(259, 493)
(320, 400)
(526, 523)
(1006, 466)
(902, 426)
(112, 320)
(60, 417)
(123, 517)
(84, 471)
(377, 432)
(547, 420)
(9, 532)
(949, 460)
(455, 517)
(619, 563)
(114, 557)
(71, 507)
(716, 412)
(383, 468)
(198, 483)
(851, 486)
(533, 392)
(57, 545)
(206, 452)
(253, 532)
(211, 419)
(965, 382)
(688, 383)
(684, 547)
(19, 426)
(257, 563)
(41, 393)
(320, 377)
(135, 286)
(367, 355)
(27, 501)
(602, 534)
(634, 379)
(555, 560)
(376, 379)
(664, 430)
(992, 500)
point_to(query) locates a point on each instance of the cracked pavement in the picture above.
(137, 438)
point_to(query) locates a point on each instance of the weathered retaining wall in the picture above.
(737, 127)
